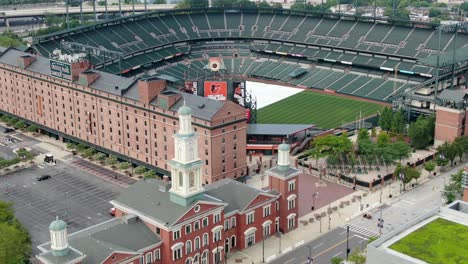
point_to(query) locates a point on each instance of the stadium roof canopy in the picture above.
(276, 129)
(461, 55)
(455, 96)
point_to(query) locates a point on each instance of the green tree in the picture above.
(15, 244)
(448, 150)
(434, 12)
(71, 146)
(398, 122)
(429, 166)
(385, 119)
(421, 132)
(401, 150)
(10, 39)
(160, 2)
(263, 5)
(357, 256)
(149, 175)
(383, 139)
(413, 173)
(20, 124)
(111, 160)
(89, 153)
(32, 128)
(365, 145)
(139, 170)
(124, 165)
(336, 260)
(99, 156)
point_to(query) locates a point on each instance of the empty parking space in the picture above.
(78, 197)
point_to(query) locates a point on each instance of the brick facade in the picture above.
(138, 131)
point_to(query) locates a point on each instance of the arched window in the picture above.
(205, 239)
(191, 180)
(196, 243)
(188, 261)
(181, 179)
(204, 257)
(188, 247)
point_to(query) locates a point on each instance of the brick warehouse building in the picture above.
(183, 222)
(132, 119)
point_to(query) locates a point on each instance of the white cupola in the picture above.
(58, 237)
(283, 156)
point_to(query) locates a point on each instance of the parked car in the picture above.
(8, 130)
(43, 177)
(112, 211)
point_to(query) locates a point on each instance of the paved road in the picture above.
(396, 212)
(333, 244)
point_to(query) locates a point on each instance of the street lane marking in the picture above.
(317, 246)
(332, 247)
(289, 260)
(363, 238)
(337, 254)
(407, 201)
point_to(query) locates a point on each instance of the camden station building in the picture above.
(182, 221)
(134, 119)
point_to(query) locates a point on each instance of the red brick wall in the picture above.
(84, 113)
(282, 187)
(258, 221)
(449, 124)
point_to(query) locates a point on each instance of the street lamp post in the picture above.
(380, 223)
(310, 251)
(347, 242)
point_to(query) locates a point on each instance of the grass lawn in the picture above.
(439, 242)
(323, 110)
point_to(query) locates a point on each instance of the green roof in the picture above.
(284, 147)
(185, 110)
(57, 225)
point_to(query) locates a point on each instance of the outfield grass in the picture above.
(323, 110)
(439, 242)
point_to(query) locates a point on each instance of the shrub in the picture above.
(32, 128)
(111, 160)
(140, 170)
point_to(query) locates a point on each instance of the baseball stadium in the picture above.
(356, 58)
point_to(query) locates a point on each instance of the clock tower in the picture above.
(185, 166)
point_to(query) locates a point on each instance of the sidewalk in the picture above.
(308, 231)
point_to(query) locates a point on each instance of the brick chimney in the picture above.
(167, 99)
(88, 77)
(79, 67)
(25, 60)
(148, 89)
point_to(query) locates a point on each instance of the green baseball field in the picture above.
(439, 242)
(323, 110)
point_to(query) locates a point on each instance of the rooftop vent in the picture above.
(201, 106)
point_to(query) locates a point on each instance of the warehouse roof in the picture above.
(276, 129)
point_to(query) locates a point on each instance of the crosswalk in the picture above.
(360, 230)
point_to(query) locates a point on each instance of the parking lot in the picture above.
(78, 197)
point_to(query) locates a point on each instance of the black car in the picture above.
(43, 177)
(8, 130)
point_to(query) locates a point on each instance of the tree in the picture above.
(448, 151)
(139, 170)
(10, 39)
(15, 244)
(364, 143)
(32, 128)
(149, 175)
(185, 4)
(398, 122)
(357, 257)
(401, 150)
(89, 153)
(336, 260)
(100, 156)
(412, 173)
(421, 132)
(434, 12)
(20, 124)
(111, 160)
(385, 119)
(124, 165)
(429, 166)
(160, 2)
(71, 146)
(263, 5)
(383, 139)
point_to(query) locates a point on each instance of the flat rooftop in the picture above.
(276, 129)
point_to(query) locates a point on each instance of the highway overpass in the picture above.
(76, 10)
